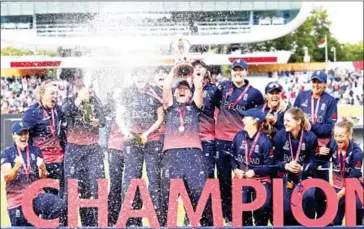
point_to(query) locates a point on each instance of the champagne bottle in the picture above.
(137, 140)
(87, 108)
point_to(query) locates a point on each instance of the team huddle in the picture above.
(191, 130)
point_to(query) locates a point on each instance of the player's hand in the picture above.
(95, 122)
(293, 167)
(271, 119)
(250, 173)
(18, 162)
(341, 194)
(144, 137)
(42, 170)
(324, 151)
(239, 173)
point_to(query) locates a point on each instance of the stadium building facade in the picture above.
(95, 24)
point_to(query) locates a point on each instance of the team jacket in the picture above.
(211, 101)
(345, 167)
(326, 115)
(15, 189)
(141, 110)
(261, 159)
(229, 121)
(51, 140)
(79, 131)
(307, 158)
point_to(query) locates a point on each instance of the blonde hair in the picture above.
(41, 89)
(299, 115)
(347, 124)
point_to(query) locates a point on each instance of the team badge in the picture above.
(33, 157)
(256, 149)
(323, 106)
(305, 104)
(245, 98)
(303, 147)
(286, 146)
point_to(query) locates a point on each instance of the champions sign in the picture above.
(211, 191)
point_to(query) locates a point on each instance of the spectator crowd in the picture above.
(18, 93)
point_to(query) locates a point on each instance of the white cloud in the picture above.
(347, 20)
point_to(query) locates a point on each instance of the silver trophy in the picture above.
(180, 49)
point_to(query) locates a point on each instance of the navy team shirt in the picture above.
(307, 158)
(141, 110)
(211, 100)
(40, 123)
(15, 189)
(190, 137)
(261, 159)
(348, 166)
(326, 115)
(229, 121)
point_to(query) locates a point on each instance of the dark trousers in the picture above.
(116, 166)
(86, 164)
(308, 205)
(56, 171)
(223, 165)
(49, 206)
(186, 164)
(341, 211)
(261, 216)
(133, 162)
(209, 151)
(153, 162)
(319, 194)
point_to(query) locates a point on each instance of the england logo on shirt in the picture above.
(303, 146)
(305, 104)
(245, 98)
(286, 146)
(323, 106)
(256, 149)
(204, 94)
(33, 157)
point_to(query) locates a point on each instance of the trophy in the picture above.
(181, 48)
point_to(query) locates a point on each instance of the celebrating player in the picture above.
(236, 94)
(183, 158)
(47, 126)
(322, 110)
(253, 159)
(295, 155)
(22, 164)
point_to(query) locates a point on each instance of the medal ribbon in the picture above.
(26, 167)
(270, 110)
(248, 156)
(342, 164)
(314, 111)
(299, 146)
(182, 114)
(52, 121)
(240, 96)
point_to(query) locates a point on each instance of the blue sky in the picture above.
(347, 20)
